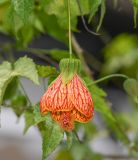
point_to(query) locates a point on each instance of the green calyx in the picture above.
(68, 68)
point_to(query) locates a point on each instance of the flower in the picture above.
(68, 103)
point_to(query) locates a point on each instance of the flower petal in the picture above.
(56, 98)
(65, 119)
(79, 117)
(81, 98)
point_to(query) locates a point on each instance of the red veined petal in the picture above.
(43, 108)
(56, 97)
(79, 117)
(65, 119)
(81, 98)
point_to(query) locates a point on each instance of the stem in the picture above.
(44, 86)
(76, 134)
(108, 77)
(69, 23)
(0, 115)
(83, 20)
(25, 92)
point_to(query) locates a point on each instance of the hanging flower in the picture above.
(67, 98)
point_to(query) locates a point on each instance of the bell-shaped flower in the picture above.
(67, 98)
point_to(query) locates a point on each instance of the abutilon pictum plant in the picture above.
(67, 98)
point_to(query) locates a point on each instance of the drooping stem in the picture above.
(69, 25)
(22, 87)
(108, 77)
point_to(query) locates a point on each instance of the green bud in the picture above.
(68, 68)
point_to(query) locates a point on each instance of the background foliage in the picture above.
(23, 20)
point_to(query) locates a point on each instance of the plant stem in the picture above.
(76, 134)
(108, 77)
(25, 92)
(69, 23)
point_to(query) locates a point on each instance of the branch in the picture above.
(81, 52)
(41, 54)
(121, 157)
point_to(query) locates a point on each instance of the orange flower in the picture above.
(68, 102)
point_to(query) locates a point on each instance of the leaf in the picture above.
(18, 104)
(23, 8)
(46, 71)
(135, 16)
(26, 67)
(64, 154)
(3, 1)
(5, 77)
(94, 8)
(98, 96)
(121, 55)
(103, 10)
(135, 9)
(135, 3)
(37, 115)
(51, 132)
(23, 67)
(69, 139)
(11, 89)
(59, 54)
(29, 120)
(51, 138)
(131, 87)
(84, 151)
(59, 9)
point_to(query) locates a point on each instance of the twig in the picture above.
(41, 54)
(83, 21)
(22, 87)
(80, 52)
(119, 157)
(76, 134)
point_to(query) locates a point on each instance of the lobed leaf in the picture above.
(23, 8)
(98, 96)
(25, 67)
(46, 71)
(5, 77)
(94, 5)
(29, 120)
(51, 138)
(131, 87)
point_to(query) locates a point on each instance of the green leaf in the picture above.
(3, 1)
(135, 3)
(59, 9)
(64, 154)
(98, 96)
(59, 54)
(23, 8)
(5, 77)
(46, 71)
(135, 16)
(11, 89)
(69, 139)
(18, 104)
(121, 55)
(51, 138)
(94, 8)
(135, 9)
(26, 67)
(51, 132)
(29, 120)
(23, 67)
(37, 115)
(103, 10)
(131, 87)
